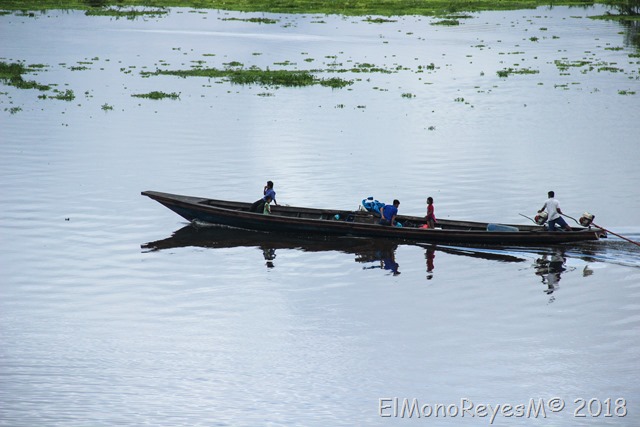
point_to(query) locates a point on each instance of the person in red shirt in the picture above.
(431, 217)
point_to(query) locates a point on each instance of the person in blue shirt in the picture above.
(388, 213)
(268, 192)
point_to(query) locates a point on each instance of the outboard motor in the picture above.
(541, 218)
(586, 219)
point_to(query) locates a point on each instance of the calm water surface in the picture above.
(114, 311)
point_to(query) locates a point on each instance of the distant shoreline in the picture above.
(338, 7)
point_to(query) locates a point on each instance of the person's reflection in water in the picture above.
(387, 261)
(430, 254)
(550, 268)
(269, 255)
(390, 264)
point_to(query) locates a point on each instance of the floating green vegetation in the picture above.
(378, 20)
(458, 16)
(617, 17)
(335, 82)
(11, 74)
(565, 65)
(366, 68)
(67, 95)
(253, 20)
(106, 107)
(126, 13)
(626, 92)
(447, 22)
(611, 69)
(508, 71)
(255, 75)
(408, 95)
(157, 95)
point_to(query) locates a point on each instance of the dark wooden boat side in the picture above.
(361, 224)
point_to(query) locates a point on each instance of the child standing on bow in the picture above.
(431, 217)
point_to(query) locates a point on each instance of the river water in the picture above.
(114, 311)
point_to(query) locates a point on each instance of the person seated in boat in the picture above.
(388, 213)
(267, 206)
(268, 191)
(552, 206)
(431, 217)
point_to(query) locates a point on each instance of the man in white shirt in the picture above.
(552, 206)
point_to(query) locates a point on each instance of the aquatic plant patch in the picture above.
(368, 68)
(11, 74)
(447, 22)
(508, 71)
(565, 65)
(610, 69)
(255, 75)
(127, 13)
(67, 95)
(378, 20)
(254, 20)
(157, 95)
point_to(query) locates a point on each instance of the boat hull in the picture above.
(358, 224)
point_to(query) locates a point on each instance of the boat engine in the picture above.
(586, 219)
(541, 218)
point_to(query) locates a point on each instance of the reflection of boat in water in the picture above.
(226, 237)
(549, 264)
(365, 250)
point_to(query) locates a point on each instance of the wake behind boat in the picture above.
(335, 222)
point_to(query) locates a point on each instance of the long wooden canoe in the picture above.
(333, 222)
